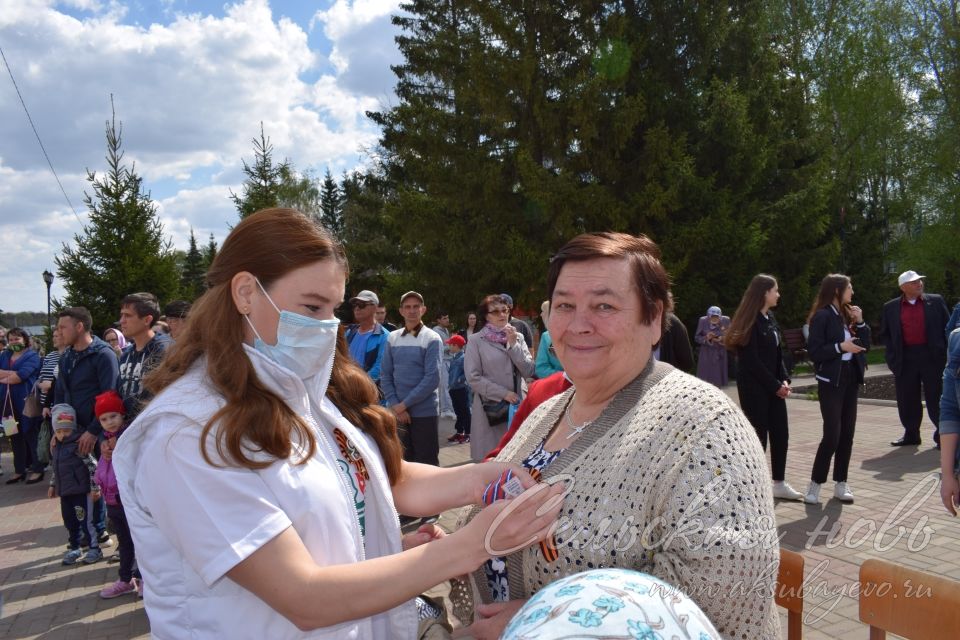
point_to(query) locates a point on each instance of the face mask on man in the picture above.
(306, 346)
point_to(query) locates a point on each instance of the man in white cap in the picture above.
(366, 337)
(911, 328)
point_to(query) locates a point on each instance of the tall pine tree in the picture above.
(123, 248)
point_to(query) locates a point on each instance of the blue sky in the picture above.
(191, 81)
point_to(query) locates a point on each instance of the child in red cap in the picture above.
(457, 388)
(109, 409)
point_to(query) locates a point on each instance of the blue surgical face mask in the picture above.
(305, 345)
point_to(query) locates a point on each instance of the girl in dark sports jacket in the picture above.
(837, 344)
(762, 380)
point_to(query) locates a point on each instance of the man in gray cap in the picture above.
(366, 336)
(911, 328)
(410, 380)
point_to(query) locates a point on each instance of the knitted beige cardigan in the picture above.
(670, 480)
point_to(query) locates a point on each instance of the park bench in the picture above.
(796, 344)
(789, 594)
(908, 602)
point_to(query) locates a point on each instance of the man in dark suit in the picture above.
(916, 351)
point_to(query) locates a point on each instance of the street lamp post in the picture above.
(48, 278)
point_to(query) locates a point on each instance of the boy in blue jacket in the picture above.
(457, 387)
(73, 482)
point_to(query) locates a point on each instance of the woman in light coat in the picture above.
(495, 363)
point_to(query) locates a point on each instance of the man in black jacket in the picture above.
(88, 367)
(916, 351)
(674, 347)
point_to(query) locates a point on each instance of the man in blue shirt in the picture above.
(410, 378)
(366, 336)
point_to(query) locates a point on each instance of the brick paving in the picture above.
(896, 498)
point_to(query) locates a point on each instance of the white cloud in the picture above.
(190, 91)
(363, 43)
(346, 17)
(206, 210)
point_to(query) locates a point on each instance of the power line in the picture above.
(37, 134)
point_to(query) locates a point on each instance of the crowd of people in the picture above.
(254, 455)
(68, 409)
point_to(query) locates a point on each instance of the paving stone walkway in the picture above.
(897, 516)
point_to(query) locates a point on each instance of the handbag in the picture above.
(31, 406)
(496, 412)
(10, 426)
(43, 441)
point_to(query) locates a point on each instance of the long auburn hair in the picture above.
(831, 288)
(741, 325)
(269, 244)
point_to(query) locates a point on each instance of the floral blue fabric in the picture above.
(610, 603)
(496, 568)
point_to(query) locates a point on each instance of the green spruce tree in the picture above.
(209, 252)
(192, 274)
(123, 248)
(263, 186)
(331, 205)
(521, 124)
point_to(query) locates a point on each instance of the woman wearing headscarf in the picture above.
(712, 359)
(496, 362)
(116, 340)
(664, 474)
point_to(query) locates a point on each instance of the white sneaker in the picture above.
(813, 493)
(784, 491)
(842, 492)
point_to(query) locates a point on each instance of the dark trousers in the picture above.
(919, 369)
(768, 415)
(23, 445)
(20, 447)
(838, 406)
(124, 541)
(78, 519)
(461, 407)
(421, 440)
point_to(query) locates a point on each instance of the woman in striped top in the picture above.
(45, 381)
